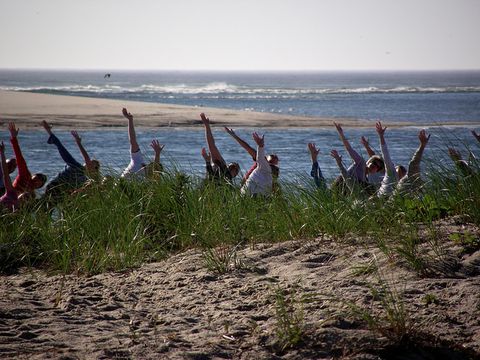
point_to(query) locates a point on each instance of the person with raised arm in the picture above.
(410, 180)
(462, 165)
(391, 177)
(271, 158)
(360, 169)
(316, 172)
(136, 157)
(260, 182)
(220, 168)
(8, 200)
(74, 175)
(24, 184)
(374, 178)
(137, 166)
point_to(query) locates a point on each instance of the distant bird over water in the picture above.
(107, 76)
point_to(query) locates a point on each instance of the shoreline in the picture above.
(27, 110)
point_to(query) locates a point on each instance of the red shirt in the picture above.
(23, 182)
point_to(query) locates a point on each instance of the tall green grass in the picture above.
(119, 225)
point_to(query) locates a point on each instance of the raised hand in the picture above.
(77, 137)
(206, 155)
(422, 136)
(258, 139)
(339, 128)
(47, 127)
(380, 129)
(334, 153)
(313, 151)
(364, 141)
(13, 130)
(127, 114)
(205, 120)
(156, 146)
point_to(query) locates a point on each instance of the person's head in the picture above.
(401, 171)
(92, 168)
(375, 164)
(272, 159)
(275, 171)
(11, 165)
(39, 180)
(234, 169)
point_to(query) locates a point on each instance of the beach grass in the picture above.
(122, 224)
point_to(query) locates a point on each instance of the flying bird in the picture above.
(107, 76)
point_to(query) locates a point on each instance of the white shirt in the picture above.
(260, 180)
(136, 164)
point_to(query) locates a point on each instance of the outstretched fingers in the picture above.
(156, 146)
(380, 129)
(127, 114)
(13, 129)
(422, 136)
(76, 136)
(258, 139)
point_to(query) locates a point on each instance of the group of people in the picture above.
(377, 176)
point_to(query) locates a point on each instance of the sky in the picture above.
(240, 35)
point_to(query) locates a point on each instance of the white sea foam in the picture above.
(225, 90)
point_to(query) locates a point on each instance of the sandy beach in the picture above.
(178, 309)
(28, 109)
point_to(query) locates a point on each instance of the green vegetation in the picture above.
(118, 226)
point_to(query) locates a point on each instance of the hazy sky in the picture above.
(242, 34)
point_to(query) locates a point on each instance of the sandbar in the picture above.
(27, 110)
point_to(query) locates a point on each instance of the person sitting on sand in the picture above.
(75, 174)
(220, 169)
(316, 172)
(260, 181)
(410, 181)
(137, 166)
(272, 158)
(360, 169)
(8, 200)
(11, 167)
(24, 184)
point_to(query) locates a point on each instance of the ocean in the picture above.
(448, 101)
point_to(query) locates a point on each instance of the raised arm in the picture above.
(389, 166)
(316, 172)
(242, 143)
(23, 172)
(338, 158)
(7, 182)
(367, 147)
(214, 152)
(414, 164)
(131, 131)
(261, 160)
(78, 141)
(157, 149)
(353, 154)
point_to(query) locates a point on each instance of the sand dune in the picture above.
(178, 309)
